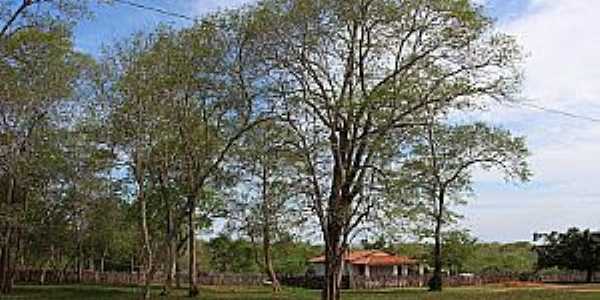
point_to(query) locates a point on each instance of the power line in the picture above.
(155, 9)
(530, 105)
(560, 112)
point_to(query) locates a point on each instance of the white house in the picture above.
(372, 263)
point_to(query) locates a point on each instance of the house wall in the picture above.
(319, 269)
(381, 271)
(357, 270)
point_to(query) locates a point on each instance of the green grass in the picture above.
(497, 293)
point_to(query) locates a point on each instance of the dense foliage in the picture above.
(226, 255)
(467, 255)
(574, 250)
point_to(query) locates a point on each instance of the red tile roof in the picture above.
(371, 258)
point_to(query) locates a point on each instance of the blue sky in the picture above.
(561, 39)
(118, 20)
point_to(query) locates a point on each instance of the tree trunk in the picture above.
(6, 280)
(19, 249)
(102, 264)
(193, 292)
(79, 262)
(269, 261)
(147, 251)
(589, 278)
(78, 269)
(333, 276)
(43, 277)
(102, 259)
(255, 249)
(171, 252)
(5, 266)
(177, 274)
(436, 282)
(333, 261)
(132, 264)
(169, 268)
(267, 233)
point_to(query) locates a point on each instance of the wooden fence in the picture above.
(379, 282)
(312, 282)
(573, 276)
(42, 277)
(31, 276)
(232, 279)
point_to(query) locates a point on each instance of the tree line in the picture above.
(284, 116)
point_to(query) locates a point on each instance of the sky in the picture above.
(561, 40)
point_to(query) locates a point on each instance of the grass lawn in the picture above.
(577, 292)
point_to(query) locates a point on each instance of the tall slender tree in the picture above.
(217, 106)
(136, 129)
(268, 205)
(440, 169)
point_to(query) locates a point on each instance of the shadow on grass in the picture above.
(51, 292)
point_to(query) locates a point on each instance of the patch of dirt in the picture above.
(586, 290)
(524, 284)
(579, 288)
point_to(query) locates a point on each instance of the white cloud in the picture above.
(562, 39)
(201, 7)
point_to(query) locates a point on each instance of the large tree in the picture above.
(355, 76)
